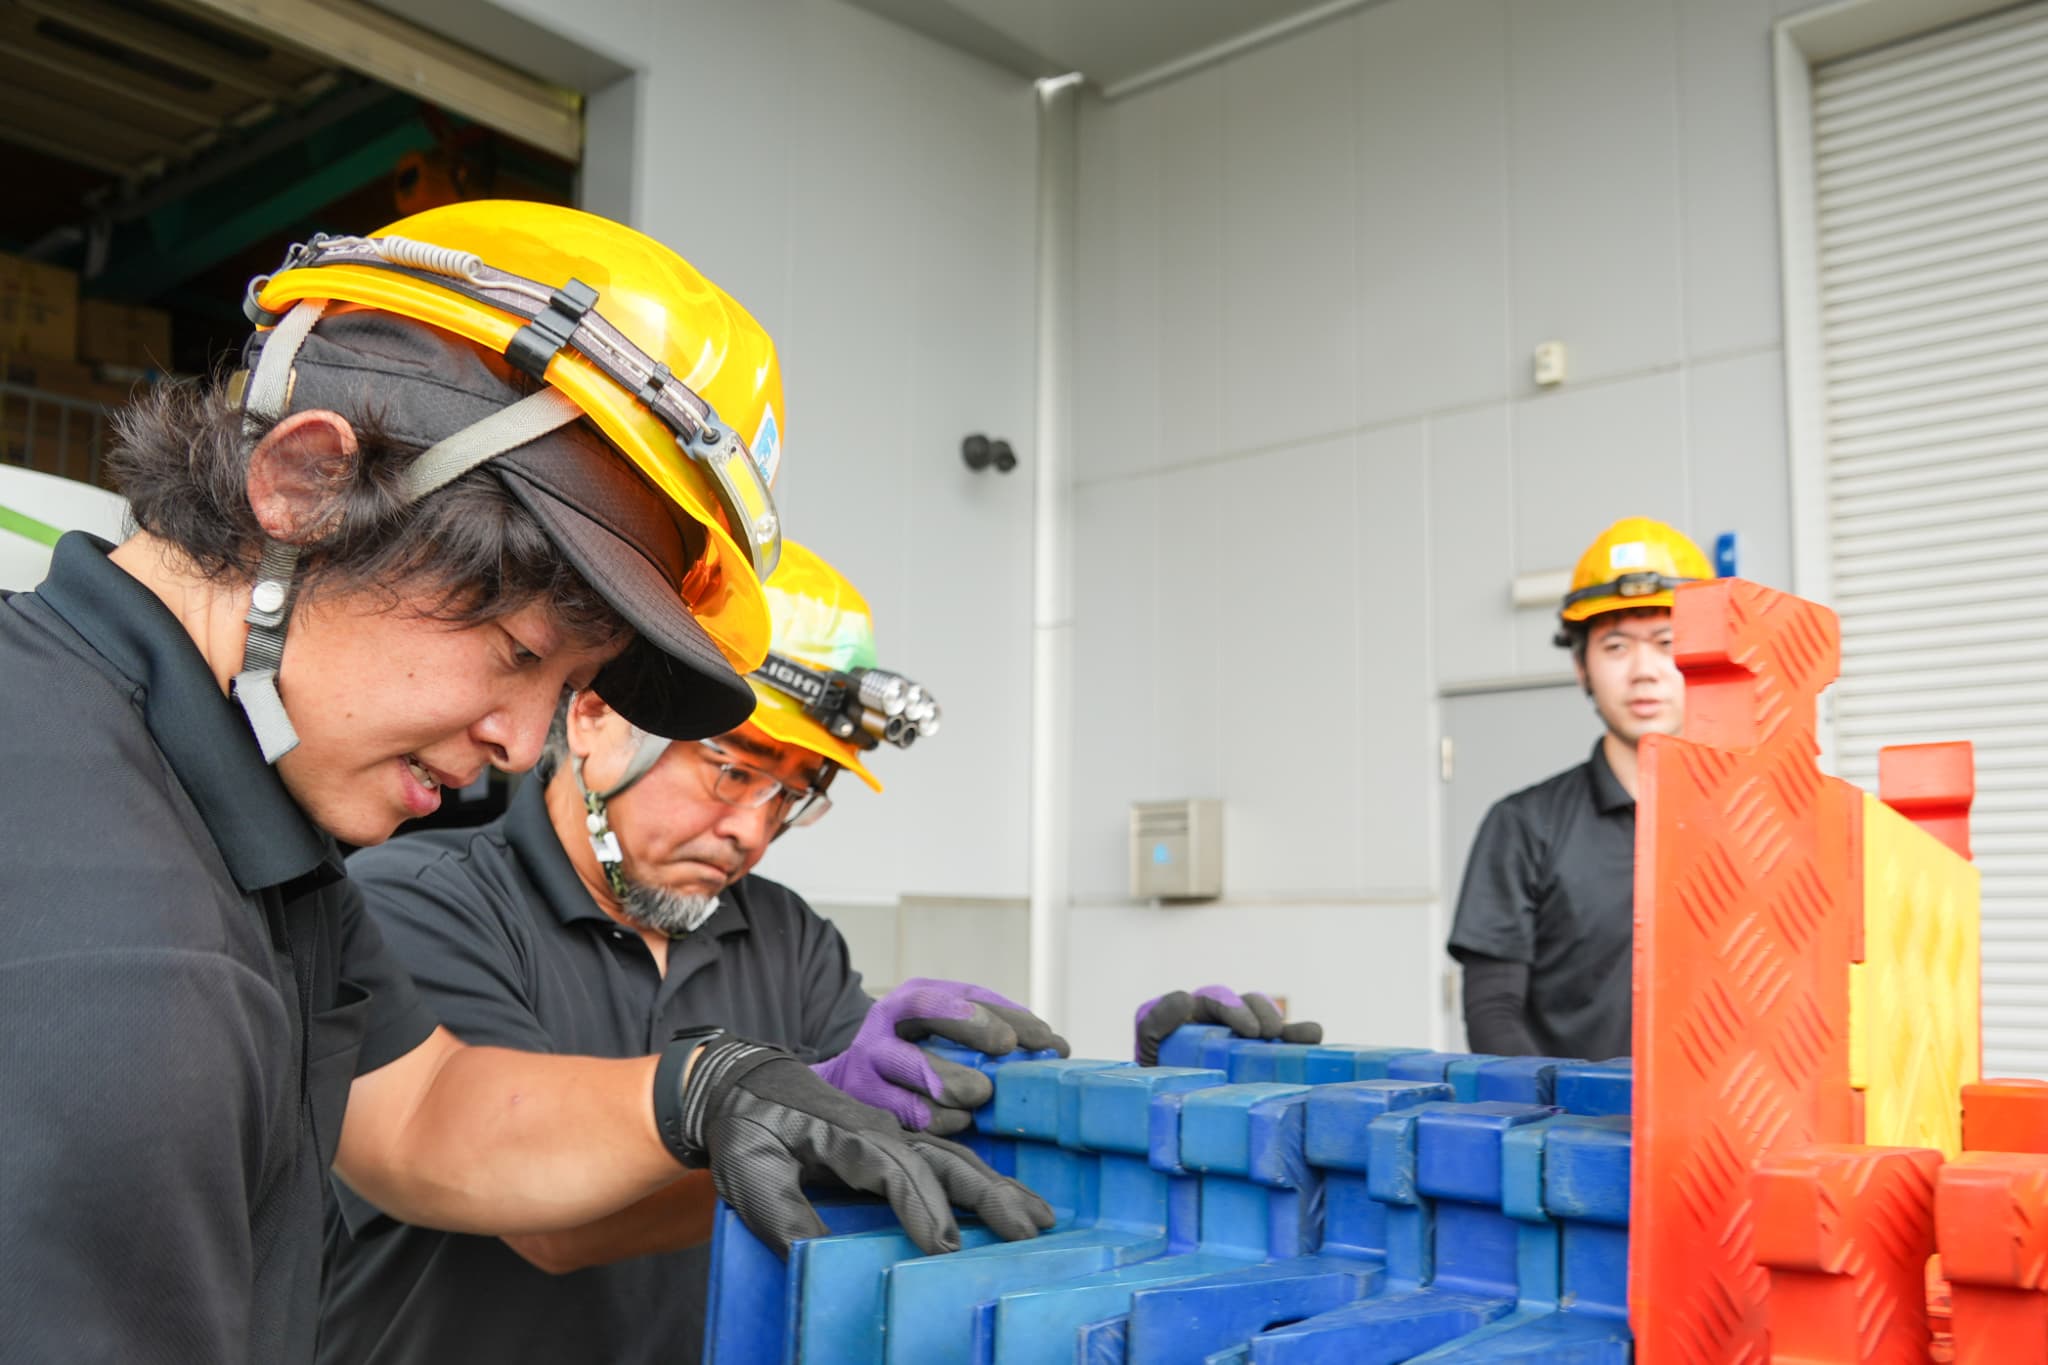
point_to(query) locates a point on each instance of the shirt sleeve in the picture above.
(140, 1083)
(834, 1005)
(449, 931)
(444, 930)
(1497, 904)
(399, 1019)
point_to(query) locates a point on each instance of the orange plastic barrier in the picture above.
(1933, 785)
(1845, 1233)
(2005, 1116)
(1748, 911)
(1991, 1221)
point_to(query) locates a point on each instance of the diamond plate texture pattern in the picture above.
(1913, 999)
(1991, 1221)
(1748, 912)
(1845, 1233)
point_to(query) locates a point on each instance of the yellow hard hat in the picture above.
(1634, 564)
(820, 689)
(674, 373)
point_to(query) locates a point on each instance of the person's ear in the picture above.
(299, 474)
(588, 722)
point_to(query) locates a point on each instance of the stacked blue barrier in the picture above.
(1243, 1201)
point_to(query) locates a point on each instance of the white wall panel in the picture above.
(1329, 960)
(1391, 610)
(1116, 427)
(1593, 123)
(1191, 284)
(1288, 667)
(1586, 456)
(1471, 545)
(1116, 723)
(1735, 442)
(1197, 548)
(1432, 214)
(1290, 324)
(1728, 168)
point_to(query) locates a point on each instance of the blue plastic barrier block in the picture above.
(1330, 1064)
(1192, 1318)
(1183, 1047)
(1595, 1088)
(1459, 1070)
(1586, 1171)
(1520, 1080)
(746, 1317)
(1554, 1339)
(1101, 1343)
(987, 1066)
(837, 1292)
(1216, 1126)
(930, 1300)
(1458, 1148)
(1338, 1116)
(1384, 1330)
(1284, 1063)
(1027, 1102)
(1116, 1104)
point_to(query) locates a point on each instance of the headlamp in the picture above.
(863, 706)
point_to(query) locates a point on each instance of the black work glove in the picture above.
(764, 1123)
(883, 1065)
(1250, 1015)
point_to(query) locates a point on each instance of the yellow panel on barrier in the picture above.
(1914, 999)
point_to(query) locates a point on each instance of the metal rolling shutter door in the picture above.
(1931, 161)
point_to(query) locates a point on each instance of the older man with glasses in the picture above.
(613, 906)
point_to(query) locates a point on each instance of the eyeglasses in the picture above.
(736, 784)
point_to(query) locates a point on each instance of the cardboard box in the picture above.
(124, 334)
(38, 309)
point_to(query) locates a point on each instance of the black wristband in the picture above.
(668, 1093)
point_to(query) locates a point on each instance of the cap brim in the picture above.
(672, 680)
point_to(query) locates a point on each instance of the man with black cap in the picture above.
(453, 482)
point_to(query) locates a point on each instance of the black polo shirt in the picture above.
(187, 988)
(509, 947)
(1551, 884)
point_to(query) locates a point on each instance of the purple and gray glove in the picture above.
(1250, 1015)
(885, 1067)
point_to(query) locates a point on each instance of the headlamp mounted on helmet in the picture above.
(864, 706)
(1644, 584)
(568, 317)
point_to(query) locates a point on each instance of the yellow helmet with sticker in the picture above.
(1634, 564)
(820, 688)
(668, 366)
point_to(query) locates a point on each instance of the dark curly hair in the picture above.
(469, 553)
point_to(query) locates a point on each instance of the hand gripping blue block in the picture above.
(931, 1300)
(1245, 1139)
(1183, 1047)
(1580, 1168)
(1438, 1167)
(837, 1285)
(1596, 1087)
(1211, 1313)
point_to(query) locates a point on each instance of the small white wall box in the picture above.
(1177, 849)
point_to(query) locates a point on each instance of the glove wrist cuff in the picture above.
(669, 1094)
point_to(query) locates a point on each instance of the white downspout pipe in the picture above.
(1052, 601)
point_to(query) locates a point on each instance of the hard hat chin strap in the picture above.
(597, 819)
(264, 400)
(270, 598)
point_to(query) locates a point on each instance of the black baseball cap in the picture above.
(630, 542)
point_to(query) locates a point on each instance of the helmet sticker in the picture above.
(1629, 554)
(766, 447)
